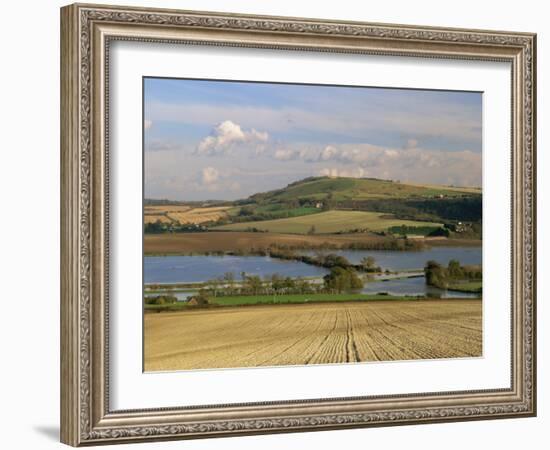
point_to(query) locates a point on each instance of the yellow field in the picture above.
(312, 334)
(200, 215)
(161, 209)
(184, 214)
(152, 218)
(329, 222)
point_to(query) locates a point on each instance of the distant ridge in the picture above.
(338, 189)
(344, 188)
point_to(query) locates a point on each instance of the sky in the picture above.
(226, 140)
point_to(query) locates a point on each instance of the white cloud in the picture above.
(337, 172)
(303, 154)
(210, 175)
(227, 135)
(359, 153)
(147, 124)
(415, 165)
(285, 154)
(329, 152)
(411, 143)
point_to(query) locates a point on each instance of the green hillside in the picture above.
(340, 188)
(340, 204)
(429, 203)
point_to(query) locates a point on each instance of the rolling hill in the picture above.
(334, 205)
(428, 203)
(340, 188)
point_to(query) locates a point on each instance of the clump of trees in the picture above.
(393, 244)
(435, 274)
(466, 207)
(328, 261)
(158, 227)
(274, 284)
(288, 251)
(342, 279)
(405, 230)
(201, 299)
(331, 260)
(254, 230)
(368, 264)
(440, 276)
(164, 299)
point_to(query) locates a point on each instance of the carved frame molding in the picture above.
(86, 32)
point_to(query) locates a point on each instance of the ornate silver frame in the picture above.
(86, 32)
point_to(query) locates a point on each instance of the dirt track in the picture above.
(312, 334)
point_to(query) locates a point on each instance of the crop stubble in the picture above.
(312, 334)
(183, 214)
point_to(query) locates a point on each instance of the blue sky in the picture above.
(228, 140)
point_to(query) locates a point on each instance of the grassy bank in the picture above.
(248, 300)
(472, 287)
(452, 242)
(301, 298)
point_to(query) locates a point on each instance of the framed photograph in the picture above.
(276, 224)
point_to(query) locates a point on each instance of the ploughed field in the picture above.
(320, 333)
(226, 241)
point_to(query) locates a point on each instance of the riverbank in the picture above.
(474, 287)
(451, 242)
(247, 242)
(288, 299)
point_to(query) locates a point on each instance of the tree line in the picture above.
(342, 278)
(440, 276)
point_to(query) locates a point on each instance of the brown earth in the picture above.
(225, 241)
(312, 334)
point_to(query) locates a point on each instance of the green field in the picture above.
(470, 286)
(328, 222)
(285, 212)
(238, 300)
(299, 298)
